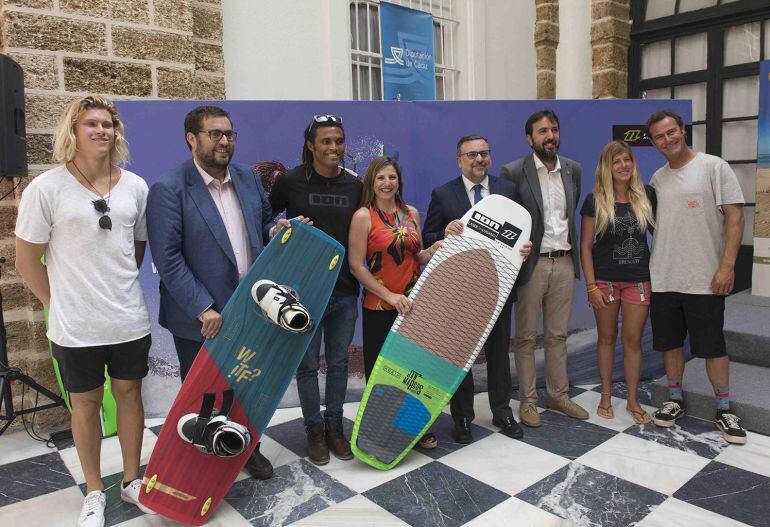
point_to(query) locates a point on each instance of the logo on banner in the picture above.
(636, 135)
(397, 56)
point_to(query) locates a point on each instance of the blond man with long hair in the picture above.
(616, 258)
(87, 217)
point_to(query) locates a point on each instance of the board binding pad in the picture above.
(428, 351)
(253, 357)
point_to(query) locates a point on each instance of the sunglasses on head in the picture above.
(323, 118)
(103, 208)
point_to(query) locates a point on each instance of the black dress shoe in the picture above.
(258, 466)
(509, 427)
(462, 431)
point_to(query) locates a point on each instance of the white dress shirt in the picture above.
(469, 188)
(226, 200)
(556, 235)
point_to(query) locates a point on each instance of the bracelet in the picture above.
(595, 288)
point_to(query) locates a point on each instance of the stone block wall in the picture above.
(610, 39)
(546, 40)
(123, 49)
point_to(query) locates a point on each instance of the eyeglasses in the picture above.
(216, 135)
(473, 155)
(103, 208)
(322, 118)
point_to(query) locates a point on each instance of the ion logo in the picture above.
(489, 222)
(328, 200)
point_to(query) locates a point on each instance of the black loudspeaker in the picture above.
(13, 131)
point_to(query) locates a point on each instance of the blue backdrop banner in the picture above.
(422, 135)
(408, 54)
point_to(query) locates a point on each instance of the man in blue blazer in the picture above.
(207, 221)
(448, 203)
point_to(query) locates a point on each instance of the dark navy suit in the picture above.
(191, 249)
(449, 202)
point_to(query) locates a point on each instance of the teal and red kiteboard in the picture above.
(242, 373)
(428, 352)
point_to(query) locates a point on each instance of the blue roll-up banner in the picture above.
(760, 278)
(408, 72)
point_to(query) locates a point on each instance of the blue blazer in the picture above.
(190, 247)
(450, 201)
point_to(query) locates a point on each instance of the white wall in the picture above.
(500, 62)
(300, 49)
(573, 55)
(287, 49)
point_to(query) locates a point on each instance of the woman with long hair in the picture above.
(615, 257)
(385, 253)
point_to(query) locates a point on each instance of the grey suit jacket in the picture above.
(524, 174)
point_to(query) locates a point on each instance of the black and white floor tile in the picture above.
(597, 472)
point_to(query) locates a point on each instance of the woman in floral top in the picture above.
(385, 253)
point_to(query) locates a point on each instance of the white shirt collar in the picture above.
(208, 178)
(470, 184)
(539, 164)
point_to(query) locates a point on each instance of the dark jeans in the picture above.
(186, 350)
(498, 374)
(375, 324)
(336, 329)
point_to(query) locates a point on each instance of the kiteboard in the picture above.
(428, 351)
(240, 375)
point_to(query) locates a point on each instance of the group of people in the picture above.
(207, 220)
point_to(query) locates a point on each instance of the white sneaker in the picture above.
(130, 494)
(92, 513)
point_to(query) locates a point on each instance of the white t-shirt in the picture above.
(95, 294)
(689, 239)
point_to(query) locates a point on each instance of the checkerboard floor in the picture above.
(596, 473)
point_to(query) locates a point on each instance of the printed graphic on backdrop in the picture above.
(760, 280)
(422, 135)
(636, 135)
(408, 72)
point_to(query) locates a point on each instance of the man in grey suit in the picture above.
(549, 186)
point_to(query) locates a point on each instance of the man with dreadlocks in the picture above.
(327, 194)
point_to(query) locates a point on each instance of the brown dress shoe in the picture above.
(335, 438)
(568, 407)
(258, 465)
(317, 451)
(528, 415)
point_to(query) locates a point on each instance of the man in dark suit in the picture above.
(448, 203)
(549, 185)
(207, 222)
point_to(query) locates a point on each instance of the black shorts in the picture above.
(82, 369)
(675, 315)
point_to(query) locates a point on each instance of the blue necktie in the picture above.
(476, 193)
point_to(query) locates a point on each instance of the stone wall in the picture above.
(546, 39)
(610, 38)
(124, 49)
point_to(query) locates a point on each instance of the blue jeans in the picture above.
(336, 328)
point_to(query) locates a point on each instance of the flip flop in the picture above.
(428, 441)
(605, 411)
(640, 418)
